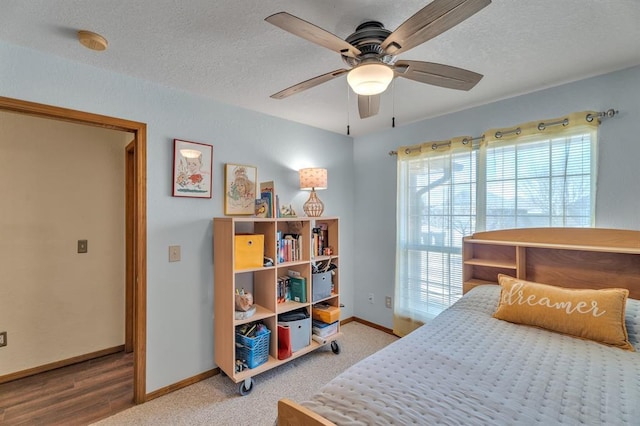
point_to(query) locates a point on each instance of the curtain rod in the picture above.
(590, 117)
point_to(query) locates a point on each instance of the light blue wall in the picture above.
(361, 181)
(618, 191)
(180, 295)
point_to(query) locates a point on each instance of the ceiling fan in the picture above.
(371, 52)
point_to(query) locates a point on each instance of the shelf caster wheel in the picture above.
(245, 387)
(335, 348)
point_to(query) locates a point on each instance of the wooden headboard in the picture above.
(566, 257)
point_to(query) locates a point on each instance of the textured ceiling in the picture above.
(226, 51)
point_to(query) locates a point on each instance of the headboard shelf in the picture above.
(567, 257)
(594, 239)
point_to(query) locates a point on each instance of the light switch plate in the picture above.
(174, 253)
(83, 246)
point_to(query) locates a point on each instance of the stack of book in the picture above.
(289, 247)
(284, 288)
(268, 194)
(292, 286)
(320, 240)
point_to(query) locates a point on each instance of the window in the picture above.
(530, 178)
(439, 209)
(540, 182)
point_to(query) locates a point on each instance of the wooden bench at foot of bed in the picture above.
(293, 414)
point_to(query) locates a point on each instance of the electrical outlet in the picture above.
(370, 298)
(3, 339)
(387, 302)
(174, 253)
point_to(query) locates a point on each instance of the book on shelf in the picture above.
(324, 236)
(289, 247)
(298, 288)
(267, 192)
(262, 207)
(315, 244)
(266, 198)
(278, 245)
(284, 289)
(279, 292)
(320, 239)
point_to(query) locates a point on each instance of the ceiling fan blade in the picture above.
(308, 84)
(432, 20)
(312, 33)
(368, 106)
(437, 74)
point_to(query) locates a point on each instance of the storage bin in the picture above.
(321, 285)
(324, 313)
(323, 329)
(300, 328)
(284, 342)
(248, 251)
(253, 350)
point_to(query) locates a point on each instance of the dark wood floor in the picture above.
(75, 395)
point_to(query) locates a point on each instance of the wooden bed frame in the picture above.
(568, 257)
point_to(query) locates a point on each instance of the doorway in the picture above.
(135, 167)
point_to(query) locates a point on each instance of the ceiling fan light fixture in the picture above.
(370, 79)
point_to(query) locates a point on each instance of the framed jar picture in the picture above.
(192, 169)
(239, 189)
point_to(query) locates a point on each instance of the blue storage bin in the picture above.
(253, 350)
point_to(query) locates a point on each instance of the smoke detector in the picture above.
(92, 40)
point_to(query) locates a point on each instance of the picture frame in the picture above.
(192, 163)
(240, 185)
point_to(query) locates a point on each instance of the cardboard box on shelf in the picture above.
(325, 313)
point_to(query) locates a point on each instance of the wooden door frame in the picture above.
(130, 266)
(139, 131)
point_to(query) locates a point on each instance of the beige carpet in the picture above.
(216, 401)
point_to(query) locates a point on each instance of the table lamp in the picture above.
(312, 179)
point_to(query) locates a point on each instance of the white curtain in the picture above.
(435, 209)
(537, 174)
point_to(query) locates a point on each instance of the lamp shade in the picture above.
(370, 79)
(313, 178)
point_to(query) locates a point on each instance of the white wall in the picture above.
(180, 295)
(60, 183)
(618, 188)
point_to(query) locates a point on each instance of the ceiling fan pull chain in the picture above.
(348, 99)
(393, 104)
